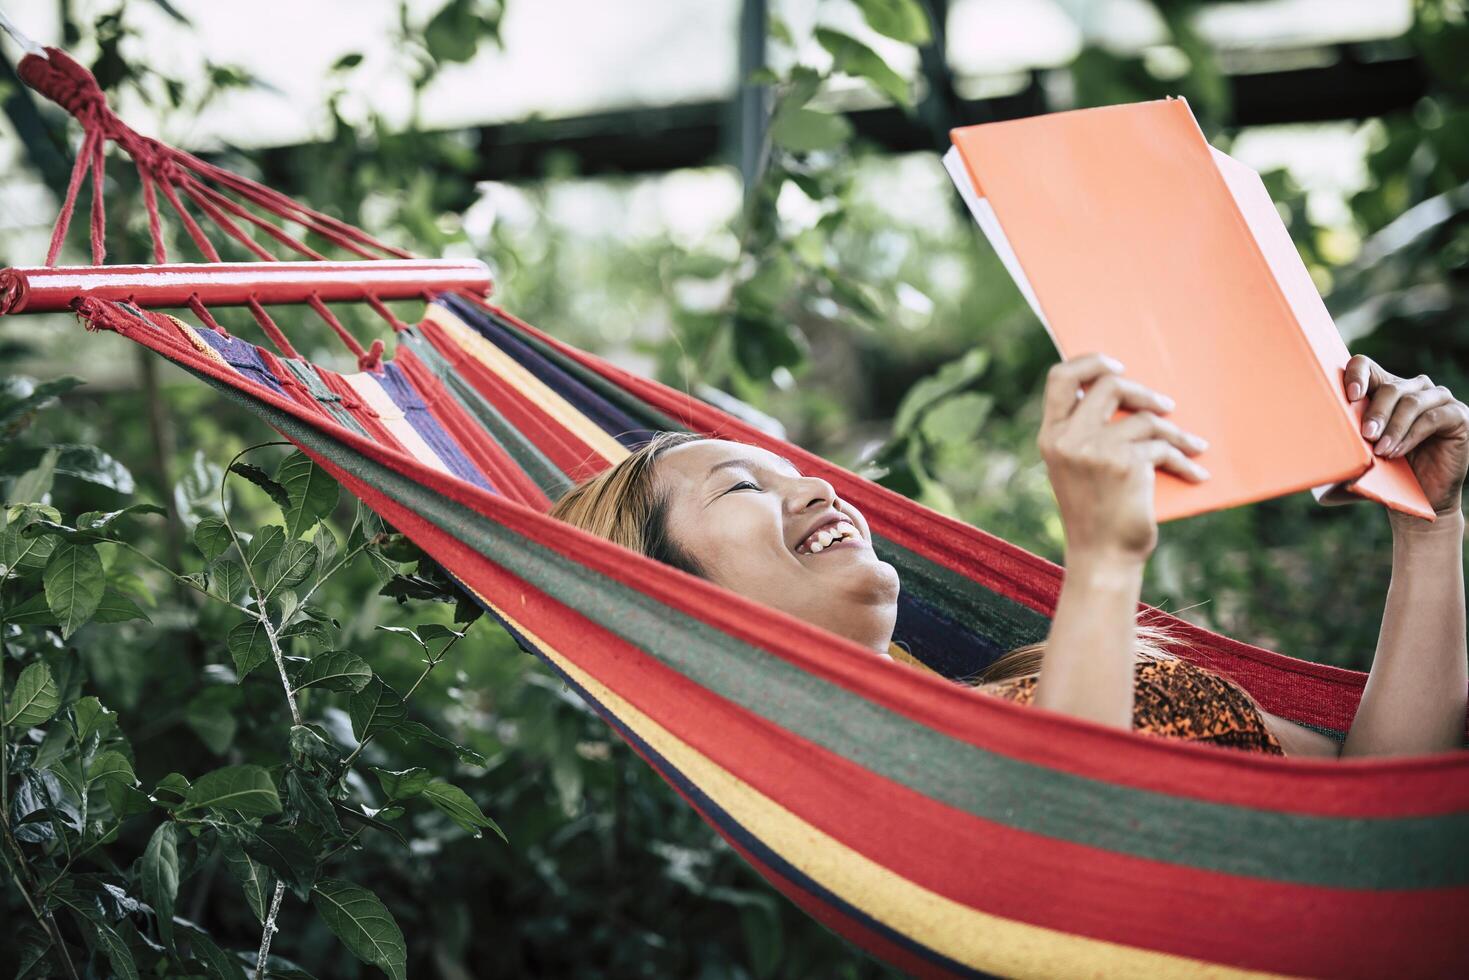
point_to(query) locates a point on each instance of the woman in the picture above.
(747, 520)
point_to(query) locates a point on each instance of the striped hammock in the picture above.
(945, 831)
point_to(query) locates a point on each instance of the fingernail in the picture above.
(1372, 428)
(1354, 391)
(1200, 441)
(1166, 402)
(1114, 364)
(1384, 446)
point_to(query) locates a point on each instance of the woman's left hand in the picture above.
(1415, 418)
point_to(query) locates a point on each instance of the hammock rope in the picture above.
(949, 833)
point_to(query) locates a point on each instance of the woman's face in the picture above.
(760, 528)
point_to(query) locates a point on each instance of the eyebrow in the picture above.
(747, 464)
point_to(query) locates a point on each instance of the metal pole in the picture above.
(753, 101)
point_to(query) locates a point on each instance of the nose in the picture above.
(809, 490)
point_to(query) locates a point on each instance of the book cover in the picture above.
(1129, 234)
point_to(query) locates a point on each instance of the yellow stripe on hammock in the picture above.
(976, 939)
(546, 399)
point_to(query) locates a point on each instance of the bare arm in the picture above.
(1415, 696)
(1102, 472)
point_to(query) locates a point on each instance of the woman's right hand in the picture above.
(1102, 471)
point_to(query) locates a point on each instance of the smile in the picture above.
(831, 536)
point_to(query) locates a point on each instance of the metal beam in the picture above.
(662, 138)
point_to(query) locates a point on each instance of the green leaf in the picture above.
(347, 61)
(228, 578)
(19, 551)
(115, 949)
(365, 527)
(157, 873)
(63, 532)
(111, 766)
(91, 465)
(855, 58)
(376, 708)
(460, 808)
(172, 789)
(253, 876)
(947, 380)
(807, 130)
(403, 784)
(37, 398)
(247, 790)
(35, 483)
(311, 493)
(435, 631)
(35, 611)
(249, 645)
(96, 520)
(326, 548)
(363, 924)
(211, 714)
(74, 582)
(285, 854)
(263, 548)
(91, 718)
(212, 537)
(413, 731)
(35, 698)
(308, 796)
(312, 748)
(336, 670)
(262, 480)
(289, 568)
(956, 421)
(219, 964)
(117, 608)
(902, 20)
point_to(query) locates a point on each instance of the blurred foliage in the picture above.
(839, 298)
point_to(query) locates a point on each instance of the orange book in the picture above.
(1130, 235)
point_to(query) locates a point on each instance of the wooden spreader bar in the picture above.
(42, 289)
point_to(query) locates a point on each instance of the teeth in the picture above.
(827, 537)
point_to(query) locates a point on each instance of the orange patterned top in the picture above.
(1177, 699)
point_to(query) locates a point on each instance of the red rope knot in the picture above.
(68, 84)
(373, 359)
(97, 314)
(12, 290)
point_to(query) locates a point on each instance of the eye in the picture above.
(741, 486)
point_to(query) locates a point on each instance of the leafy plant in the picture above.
(68, 772)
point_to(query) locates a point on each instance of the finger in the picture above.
(1065, 379)
(1363, 376)
(1409, 408)
(1447, 417)
(1385, 400)
(1147, 425)
(1112, 392)
(1167, 457)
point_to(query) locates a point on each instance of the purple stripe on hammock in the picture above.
(418, 414)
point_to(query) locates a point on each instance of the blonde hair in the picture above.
(1025, 661)
(623, 505)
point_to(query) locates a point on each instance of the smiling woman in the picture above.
(748, 520)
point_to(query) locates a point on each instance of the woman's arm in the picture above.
(1102, 475)
(1415, 696)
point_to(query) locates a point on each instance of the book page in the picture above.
(989, 223)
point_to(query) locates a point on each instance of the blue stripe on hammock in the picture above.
(242, 356)
(407, 398)
(608, 417)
